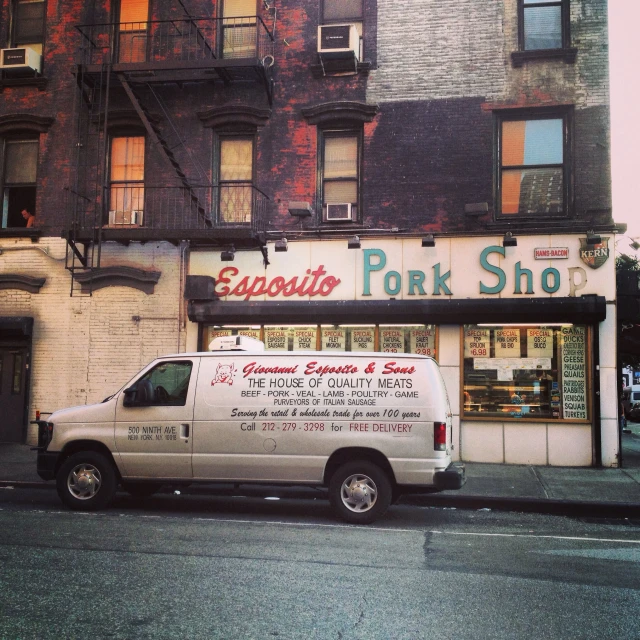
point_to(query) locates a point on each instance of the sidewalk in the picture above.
(576, 491)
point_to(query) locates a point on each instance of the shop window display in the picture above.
(526, 372)
(418, 339)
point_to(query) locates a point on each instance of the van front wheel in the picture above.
(359, 492)
(86, 481)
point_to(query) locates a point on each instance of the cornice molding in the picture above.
(234, 116)
(21, 282)
(341, 111)
(16, 122)
(140, 279)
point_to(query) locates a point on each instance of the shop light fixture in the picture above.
(354, 243)
(228, 255)
(509, 240)
(526, 324)
(281, 245)
(593, 238)
(429, 241)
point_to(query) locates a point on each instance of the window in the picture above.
(526, 372)
(534, 175)
(28, 24)
(543, 24)
(19, 182)
(126, 180)
(340, 168)
(344, 11)
(239, 29)
(167, 384)
(235, 179)
(132, 35)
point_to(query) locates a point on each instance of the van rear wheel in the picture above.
(359, 492)
(86, 481)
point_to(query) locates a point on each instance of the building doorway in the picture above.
(13, 392)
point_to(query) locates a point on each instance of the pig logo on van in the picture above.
(224, 374)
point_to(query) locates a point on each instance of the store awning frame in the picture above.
(589, 309)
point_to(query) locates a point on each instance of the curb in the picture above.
(526, 505)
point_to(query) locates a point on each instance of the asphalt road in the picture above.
(211, 567)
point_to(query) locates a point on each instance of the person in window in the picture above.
(515, 398)
(29, 218)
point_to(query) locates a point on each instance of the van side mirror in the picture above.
(139, 395)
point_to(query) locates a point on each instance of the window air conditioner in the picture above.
(338, 41)
(125, 217)
(20, 58)
(339, 211)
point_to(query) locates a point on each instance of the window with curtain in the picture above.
(126, 179)
(236, 179)
(533, 167)
(19, 181)
(340, 176)
(28, 24)
(542, 24)
(239, 28)
(132, 36)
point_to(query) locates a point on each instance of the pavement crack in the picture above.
(536, 473)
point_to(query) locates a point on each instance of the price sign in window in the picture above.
(477, 343)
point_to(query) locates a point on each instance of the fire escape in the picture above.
(122, 73)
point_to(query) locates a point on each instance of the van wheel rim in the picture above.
(359, 493)
(84, 481)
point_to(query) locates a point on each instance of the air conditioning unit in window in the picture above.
(337, 41)
(20, 58)
(340, 211)
(125, 217)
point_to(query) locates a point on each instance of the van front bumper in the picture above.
(46, 465)
(453, 477)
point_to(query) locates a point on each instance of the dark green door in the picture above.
(13, 393)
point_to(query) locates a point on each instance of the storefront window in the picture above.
(215, 332)
(525, 372)
(418, 339)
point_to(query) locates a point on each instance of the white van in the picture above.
(369, 426)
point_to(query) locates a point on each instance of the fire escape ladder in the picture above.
(159, 140)
(85, 195)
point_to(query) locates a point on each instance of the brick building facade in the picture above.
(363, 194)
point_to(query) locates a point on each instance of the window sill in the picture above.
(518, 58)
(339, 67)
(18, 232)
(40, 82)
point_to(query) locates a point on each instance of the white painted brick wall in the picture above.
(439, 49)
(85, 348)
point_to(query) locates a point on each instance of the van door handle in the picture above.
(184, 430)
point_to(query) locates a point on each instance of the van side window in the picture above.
(166, 384)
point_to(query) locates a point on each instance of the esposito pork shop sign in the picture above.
(392, 269)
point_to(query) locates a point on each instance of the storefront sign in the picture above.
(363, 339)
(465, 268)
(250, 333)
(574, 373)
(304, 338)
(392, 340)
(595, 255)
(507, 343)
(540, 343)
(334, 339)
(477, 343)
(276, 339)
(423, 341)
(551, 253)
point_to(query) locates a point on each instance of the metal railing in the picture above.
(227, 206)
(188, 40)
